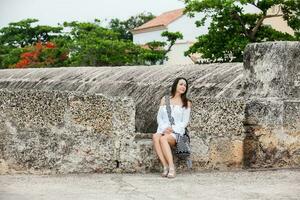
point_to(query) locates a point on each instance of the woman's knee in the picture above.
(171, 140)
(155, 137)
(163, 138)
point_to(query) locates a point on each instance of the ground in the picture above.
(234, 185)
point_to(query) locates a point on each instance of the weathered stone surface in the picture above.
(272, 141)
(216, 129)
(264, 112)
(272, 69)
(239, 118)
(272, 90)
(291, 117)
(144, 84)
(69, 132)
(213, 117)
(59, 132)
(226, 153)
(271, 148)
(215, 124)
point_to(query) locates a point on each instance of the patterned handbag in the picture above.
(183, 147)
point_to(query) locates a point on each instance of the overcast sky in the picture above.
(51, 12)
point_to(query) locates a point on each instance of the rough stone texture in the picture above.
(144, 84)
(59, 132)
(68, 132)
(274, 131)
(272, 69)
(217, 131)
(272, 89)
(247, 118)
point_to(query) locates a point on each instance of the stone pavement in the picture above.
(233, 185)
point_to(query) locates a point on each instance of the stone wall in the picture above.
(50, 131)
(217, 132)
(217, 136)
(242, 117)
(71, 132)
(144, 84)
(271, 87)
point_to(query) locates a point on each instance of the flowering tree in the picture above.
(80, 44)
(41, 55)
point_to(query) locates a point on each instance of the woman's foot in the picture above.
(165, 172)
(172, 172)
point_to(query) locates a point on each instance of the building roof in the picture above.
(162, 20)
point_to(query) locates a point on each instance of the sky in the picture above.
(52, 12)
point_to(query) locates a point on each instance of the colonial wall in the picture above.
(55, 120)
(272, 90)
(144, 84)
(63, 132)
(71, 132)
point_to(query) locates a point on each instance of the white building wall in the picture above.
(176, 55)
(186, 25)
(190, 32)
(143, 38)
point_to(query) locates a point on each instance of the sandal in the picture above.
(172, 172)
(165, 172)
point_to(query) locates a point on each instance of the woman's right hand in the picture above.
(168, 130)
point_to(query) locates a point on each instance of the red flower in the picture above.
(31, 58)
(50, 45)
(27, 55)
(38, 46)
(22, 63)
(35, 55)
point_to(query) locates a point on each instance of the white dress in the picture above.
(181, 117)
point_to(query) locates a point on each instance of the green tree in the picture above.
(23, 33)
(9, 56)
(94, 45)
(18, 35)
(231, 28)
(124, 27)
(80, 44)
(159, 50)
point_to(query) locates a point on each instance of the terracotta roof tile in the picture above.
(162, 20)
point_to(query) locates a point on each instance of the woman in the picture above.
(165, 138)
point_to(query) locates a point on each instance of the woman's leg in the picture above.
(156, 141)
(166, 142)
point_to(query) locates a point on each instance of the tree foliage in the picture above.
(124, 27)
(23, 33)
(21, 37)
(232, 28)
(41, 55)
(75, 44)
(159, 50)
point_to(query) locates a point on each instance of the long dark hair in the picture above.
(183, 96)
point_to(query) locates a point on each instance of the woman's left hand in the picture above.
(169, 130)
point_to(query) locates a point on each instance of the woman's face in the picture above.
(181, 86)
